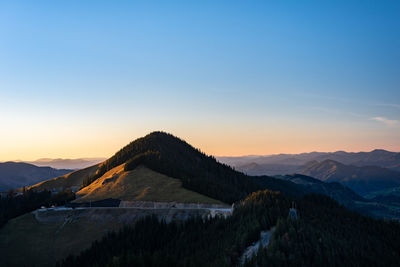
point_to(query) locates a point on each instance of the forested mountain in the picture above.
(14, 175)
(325, 234)
(363, 180)
(169, 155)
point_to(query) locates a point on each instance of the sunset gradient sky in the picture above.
(230, 77)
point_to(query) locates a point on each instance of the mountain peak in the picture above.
(169, 155)
(156, 140)
(380, 151)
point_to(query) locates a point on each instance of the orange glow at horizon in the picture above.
(218, 143)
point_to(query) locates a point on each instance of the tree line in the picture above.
(326, 234)
(196, 242)
(13, 205)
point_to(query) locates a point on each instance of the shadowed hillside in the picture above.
(363, 180)
(337, 191)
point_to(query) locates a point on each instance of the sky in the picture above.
(84, 78)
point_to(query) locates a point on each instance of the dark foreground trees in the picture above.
(325, 234)
(196, 242)
(14, 205)
(329, 235)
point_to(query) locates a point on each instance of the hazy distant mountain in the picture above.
(279, 159)
(286, 163)
(364, 172)
(73, 164)
(18, 174)
(377, 157)
(267, 169)
(363, 180)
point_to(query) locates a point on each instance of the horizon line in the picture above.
(216, 156)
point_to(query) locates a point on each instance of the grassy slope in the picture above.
(66, 181)
(140, 184)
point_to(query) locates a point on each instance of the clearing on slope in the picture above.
(140, 184)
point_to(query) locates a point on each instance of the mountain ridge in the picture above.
(65, 163)
(14, 175)
(376, 157)
(364, 180)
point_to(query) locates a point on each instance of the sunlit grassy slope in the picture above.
(73, 179)
(140, 184)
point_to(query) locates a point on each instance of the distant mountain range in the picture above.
(284, 163)
(14, 175)
(364, 172)
(72, 164)
(363, 180)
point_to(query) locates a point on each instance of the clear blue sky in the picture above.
(231, 77)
